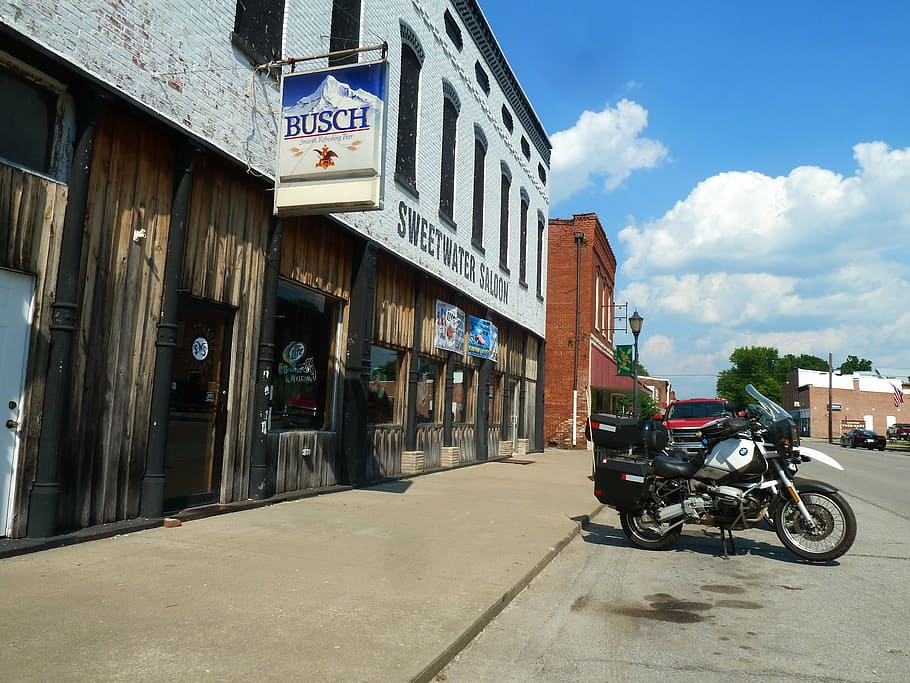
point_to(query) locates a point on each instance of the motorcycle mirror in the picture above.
(729, 407)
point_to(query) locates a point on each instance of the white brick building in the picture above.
(181, 346)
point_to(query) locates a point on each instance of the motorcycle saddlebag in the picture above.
(609, 431)
(621, 481)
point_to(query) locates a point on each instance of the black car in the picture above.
(862, 438)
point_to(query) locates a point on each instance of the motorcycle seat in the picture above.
(665, 466)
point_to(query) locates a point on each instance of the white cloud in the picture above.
(603, 146)
(811, 262)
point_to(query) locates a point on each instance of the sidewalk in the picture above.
(379, 584)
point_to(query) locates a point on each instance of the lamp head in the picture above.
(635, 323)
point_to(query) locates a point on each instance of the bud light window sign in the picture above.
(483, 339)
(449, 327)
(332, 128)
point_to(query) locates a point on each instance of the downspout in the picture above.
(261, 485)
(45, 493)
(152, 497)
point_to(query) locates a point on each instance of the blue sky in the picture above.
(749, 161)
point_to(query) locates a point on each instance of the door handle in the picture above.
(12, 424)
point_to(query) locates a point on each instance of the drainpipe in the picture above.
(152, 498)
(261, 486)
(45, 493)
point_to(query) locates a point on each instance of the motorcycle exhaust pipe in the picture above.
(670, 512)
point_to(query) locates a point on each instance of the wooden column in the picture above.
(414, 371)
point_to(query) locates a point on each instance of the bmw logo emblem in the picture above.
(744, 451)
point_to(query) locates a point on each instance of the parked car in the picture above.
(863, 438)
(899, 430)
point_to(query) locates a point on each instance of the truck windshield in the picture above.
(701, 409)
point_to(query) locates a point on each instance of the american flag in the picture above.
(898, 395)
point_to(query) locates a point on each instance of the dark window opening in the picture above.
(540, 229)
(452, 30)
(406, 158)
(447, 172)
(304, 330)
(507, 119)
(345, 32)
(258, 26)
(505, 187)
(27, 122)
(523, 243)
(525, 148)
(480, 156)
(482, 79)
(542, 173)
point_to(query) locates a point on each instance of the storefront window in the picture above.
(494, 398)
(304, 330)
(427, 388)
(383, 390)
(460, 394)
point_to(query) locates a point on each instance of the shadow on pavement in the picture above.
(700, 541)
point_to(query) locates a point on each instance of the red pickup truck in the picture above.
(685, 418)
(899, 431)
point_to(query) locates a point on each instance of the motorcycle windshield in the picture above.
(779, 422)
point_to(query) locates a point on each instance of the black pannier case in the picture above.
(620, 481)
(609, 431)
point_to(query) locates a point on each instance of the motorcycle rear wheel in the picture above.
(646, 532)
(835, 527)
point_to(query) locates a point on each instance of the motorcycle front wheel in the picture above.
(646, 532)
(834, 532)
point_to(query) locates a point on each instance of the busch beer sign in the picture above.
(332, 130)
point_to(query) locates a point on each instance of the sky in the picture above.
(749, 162)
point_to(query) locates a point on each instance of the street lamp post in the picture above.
(635, 323)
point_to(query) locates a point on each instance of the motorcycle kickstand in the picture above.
(726, 535)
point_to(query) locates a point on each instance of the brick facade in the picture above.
(596, 274)
(866, 402)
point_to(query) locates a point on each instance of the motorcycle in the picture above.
(744, 473)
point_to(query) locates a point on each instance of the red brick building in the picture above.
(861, 400)
(582, 318)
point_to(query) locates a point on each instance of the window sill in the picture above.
(407, 185)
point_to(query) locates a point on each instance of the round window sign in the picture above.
(200, 348)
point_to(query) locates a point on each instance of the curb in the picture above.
(462, 641)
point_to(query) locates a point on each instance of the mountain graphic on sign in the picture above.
(331, 95)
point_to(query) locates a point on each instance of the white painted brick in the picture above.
(176, 59)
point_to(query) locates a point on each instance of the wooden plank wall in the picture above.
(429, 440)
(386, 445)
(463, 438)
(393, 311)
(316, 253)
(531, 367)
(296, 471)
(31, 226)
(130, 191)
(226, 250)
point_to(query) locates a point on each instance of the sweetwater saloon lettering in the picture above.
(324, 122)
(438, 244)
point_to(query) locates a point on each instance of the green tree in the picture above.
(647, 406)
(756, 365)
(804, 361)
(854, 364)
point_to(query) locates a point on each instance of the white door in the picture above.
(15, 318)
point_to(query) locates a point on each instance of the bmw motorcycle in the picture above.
(744, 473)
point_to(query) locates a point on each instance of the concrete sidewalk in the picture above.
(380, 584)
